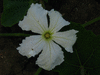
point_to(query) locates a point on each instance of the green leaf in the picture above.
(14, 11)
(86, 57)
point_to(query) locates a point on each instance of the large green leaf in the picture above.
(14, 10)
(86, 57)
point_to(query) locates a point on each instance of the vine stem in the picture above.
(14, 34)
(38, 71)
(90, 22)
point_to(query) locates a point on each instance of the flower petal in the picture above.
(36, 19)
(50, 57)
(56, 21)
(66, 39)
(31, 46)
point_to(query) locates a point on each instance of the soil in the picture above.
(12, 63)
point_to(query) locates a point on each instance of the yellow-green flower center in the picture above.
(47, 35)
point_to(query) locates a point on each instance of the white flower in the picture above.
(51, 53)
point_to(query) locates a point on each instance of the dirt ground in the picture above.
(12, 63)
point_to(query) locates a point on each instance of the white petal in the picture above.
(31, 46)
(66, 39)
(50, 57)
(35, 20)
(56, 21)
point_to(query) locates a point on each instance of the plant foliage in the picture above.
(14, 11)
(86, 57)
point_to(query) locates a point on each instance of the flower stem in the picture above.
(38, 71)
(90, 22)
(14, 34)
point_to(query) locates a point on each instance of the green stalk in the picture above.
(38, 71)
(90, 22)
(14, 34)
